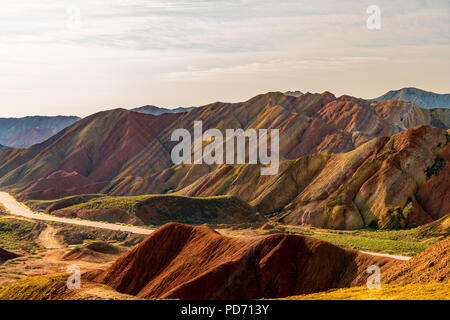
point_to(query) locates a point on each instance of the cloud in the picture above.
(221, 25)
(128, 52)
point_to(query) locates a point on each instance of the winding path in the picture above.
(403, 258)
(17, 209)
(48, 238)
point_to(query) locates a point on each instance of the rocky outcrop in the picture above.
(157, 210)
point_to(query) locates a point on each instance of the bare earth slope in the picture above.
(25, 132)
(185, 262)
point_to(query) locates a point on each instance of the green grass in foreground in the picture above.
(429, 291)
(34, 288)
(54, 287)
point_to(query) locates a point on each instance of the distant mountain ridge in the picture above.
(294, 93)
(25, 132)
(422, 98)
(2, 148)
(156, 111)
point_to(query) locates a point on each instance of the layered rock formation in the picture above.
(330, 148)
(396, 182)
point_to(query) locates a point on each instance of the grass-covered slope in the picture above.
(24, 132)
(54, 287)
(19, 235)
(160, 209)
(429, 291)
(401, 242)
(56, 204)
(397, 242)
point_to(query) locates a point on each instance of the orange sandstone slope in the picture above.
(185, 262)
(397, 182)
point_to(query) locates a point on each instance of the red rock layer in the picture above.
(185, 262)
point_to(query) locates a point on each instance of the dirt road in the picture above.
(16, 208)
(403, 258)
(48, 238)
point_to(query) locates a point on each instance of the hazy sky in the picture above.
(79, 57)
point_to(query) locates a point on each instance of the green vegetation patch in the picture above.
(34, 288)
(367, 243)
(125, 203)
(399, 242)
(19, 235)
